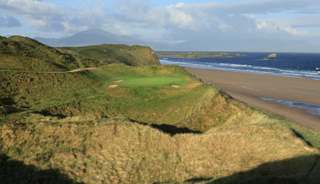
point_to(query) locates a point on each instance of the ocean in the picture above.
(299, 65)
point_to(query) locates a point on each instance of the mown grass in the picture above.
(72, 124)
(154, 81)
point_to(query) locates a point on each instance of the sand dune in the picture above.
(248, 87)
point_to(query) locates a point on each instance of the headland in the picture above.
(194, 55)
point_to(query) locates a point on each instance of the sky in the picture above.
(169, 21)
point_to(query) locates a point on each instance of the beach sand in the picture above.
(248, 87)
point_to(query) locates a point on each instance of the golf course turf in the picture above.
(155, 81)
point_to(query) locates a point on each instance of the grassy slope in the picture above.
(70, 125)
(130, 55)
(27, 54)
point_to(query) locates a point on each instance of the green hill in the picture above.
(121, 124)
(27, 54)
(130, 55)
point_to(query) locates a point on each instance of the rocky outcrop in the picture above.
(270, 56)
(189, 56)
(273, 55)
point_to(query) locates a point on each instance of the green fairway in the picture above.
(150, 81)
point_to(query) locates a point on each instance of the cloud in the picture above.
(9, 21)
(180, 18)
(32, 8)
(57, 27)
(175, 22)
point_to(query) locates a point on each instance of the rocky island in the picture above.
(195, 55)
(270, 56)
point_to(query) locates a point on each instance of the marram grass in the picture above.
(71, 128)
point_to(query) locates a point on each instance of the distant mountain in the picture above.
(98, 37)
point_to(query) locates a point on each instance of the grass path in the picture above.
(28, 71)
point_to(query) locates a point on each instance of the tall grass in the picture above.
(71, 125)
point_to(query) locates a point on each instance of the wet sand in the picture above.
(248, 87)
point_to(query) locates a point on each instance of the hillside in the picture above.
(130, 55)
(121, 124)
(22, 53)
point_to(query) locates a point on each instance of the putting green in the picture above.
(151, 81)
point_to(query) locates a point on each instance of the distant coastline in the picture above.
(286, 65)
(196, 55)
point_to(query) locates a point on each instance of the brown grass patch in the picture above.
(113, 86)
(119, 92)
(193, 83)
(119, 151)
(175, 86)
(118, 81)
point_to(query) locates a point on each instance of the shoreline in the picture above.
(248, 87)
(197, 55)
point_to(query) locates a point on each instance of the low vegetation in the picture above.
(196, 55)
(25, 54)
(69, 127)
(109, 53)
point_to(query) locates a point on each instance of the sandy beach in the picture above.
(248, 87)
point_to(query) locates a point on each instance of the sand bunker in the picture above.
(113, 86)
(175, 86)
(118, 81)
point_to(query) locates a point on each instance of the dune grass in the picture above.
(109, 53)
(75, 128)
(94, 143)
(95, 149)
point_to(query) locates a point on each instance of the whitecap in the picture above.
(311, 108)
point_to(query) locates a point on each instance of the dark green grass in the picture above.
(22, 53)
(85, 92)
(110, 53)
(160, 81)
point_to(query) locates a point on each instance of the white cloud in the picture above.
(34, 9)
(225, 28)
(293, 31)
(168, 22)
(251, 16)
(37, 23)
(118, 29)
(180, 4)
(180, 19)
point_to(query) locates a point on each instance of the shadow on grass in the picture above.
(7, 101)
(304, 170)
(300, 136)
(170, 129)
(12, 171)
(47, 113)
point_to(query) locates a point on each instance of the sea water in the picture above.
(298, 65)
(311, 108)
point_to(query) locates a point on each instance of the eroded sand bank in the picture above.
(248, 87)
